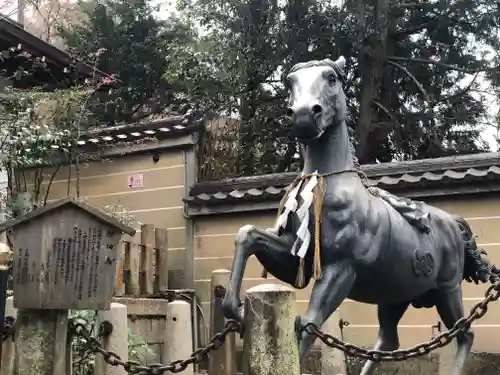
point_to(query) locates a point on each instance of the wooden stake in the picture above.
(222, 361)
(161, 246)
(147, 240)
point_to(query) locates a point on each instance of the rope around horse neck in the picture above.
(318, 199)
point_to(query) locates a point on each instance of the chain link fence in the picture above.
(177, 366)
(441, 340)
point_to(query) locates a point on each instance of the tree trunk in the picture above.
(373, 38)
(387, 97)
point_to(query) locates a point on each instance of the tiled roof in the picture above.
(396, 177)
(159, 129)
(173, 131)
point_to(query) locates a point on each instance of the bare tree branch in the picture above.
(385, 109)
(412, 77)
(459, 93)
(413, 5)
(400, 34)
(447, 66)
(50, 184)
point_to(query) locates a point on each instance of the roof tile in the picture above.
(418, 174)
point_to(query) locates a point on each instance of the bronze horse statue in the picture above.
(357, 242)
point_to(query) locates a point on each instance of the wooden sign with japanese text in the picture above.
(64, 259)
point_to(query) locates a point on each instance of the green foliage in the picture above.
(121, 214)
(145, 55)
(83, 359)
(38, 130)
(37, 126)
(404, 63)
(405, 60)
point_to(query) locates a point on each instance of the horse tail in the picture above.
(476, 268)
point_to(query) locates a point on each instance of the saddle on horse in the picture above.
(412, 211)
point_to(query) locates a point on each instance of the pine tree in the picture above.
(405, 60)
(141, 51)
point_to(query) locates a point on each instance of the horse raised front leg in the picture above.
(272, 251)
(388, 339)
(327, 295)
(450, 308)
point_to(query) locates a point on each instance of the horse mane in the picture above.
(341, 74)
(352, 141)
(326, 62)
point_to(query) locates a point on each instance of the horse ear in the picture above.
(341, 63)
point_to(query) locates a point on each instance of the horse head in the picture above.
(317, 99)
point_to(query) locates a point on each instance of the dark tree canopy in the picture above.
(138, 49)
(414, 72)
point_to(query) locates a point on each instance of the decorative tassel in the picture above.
(319, 194)
(300, 280)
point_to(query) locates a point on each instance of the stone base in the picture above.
(482, 364)
(426, 365)
(477, 364)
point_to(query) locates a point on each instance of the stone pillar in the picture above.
(117, 341)
(178, 343)
(332, 360)
(270, 344)
(40, 342)
(7, 367)
(446, 357)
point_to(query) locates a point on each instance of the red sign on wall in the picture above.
(135, 180)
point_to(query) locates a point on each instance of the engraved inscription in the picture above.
(19, 267)
(24, 269)
(57, 252)
(83, 253)
(92, 271)
(78, 256)
(97, 260)
(68, 272)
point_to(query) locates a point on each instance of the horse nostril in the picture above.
(289, 112)
(317, 109)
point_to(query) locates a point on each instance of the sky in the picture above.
(167, 7)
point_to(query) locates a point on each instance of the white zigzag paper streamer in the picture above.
(289, 207)
(303, 215)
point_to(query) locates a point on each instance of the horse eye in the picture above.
(332, 79)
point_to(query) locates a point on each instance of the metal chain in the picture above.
(8, 327)
(177, 366)
(441, 340)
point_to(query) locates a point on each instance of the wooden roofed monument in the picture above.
(64, 256)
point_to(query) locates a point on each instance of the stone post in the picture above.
(7, 367)
(117, 341)
(40, 342)
(270, 344)
(332, 360)
(178, 343)
(446, 357)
